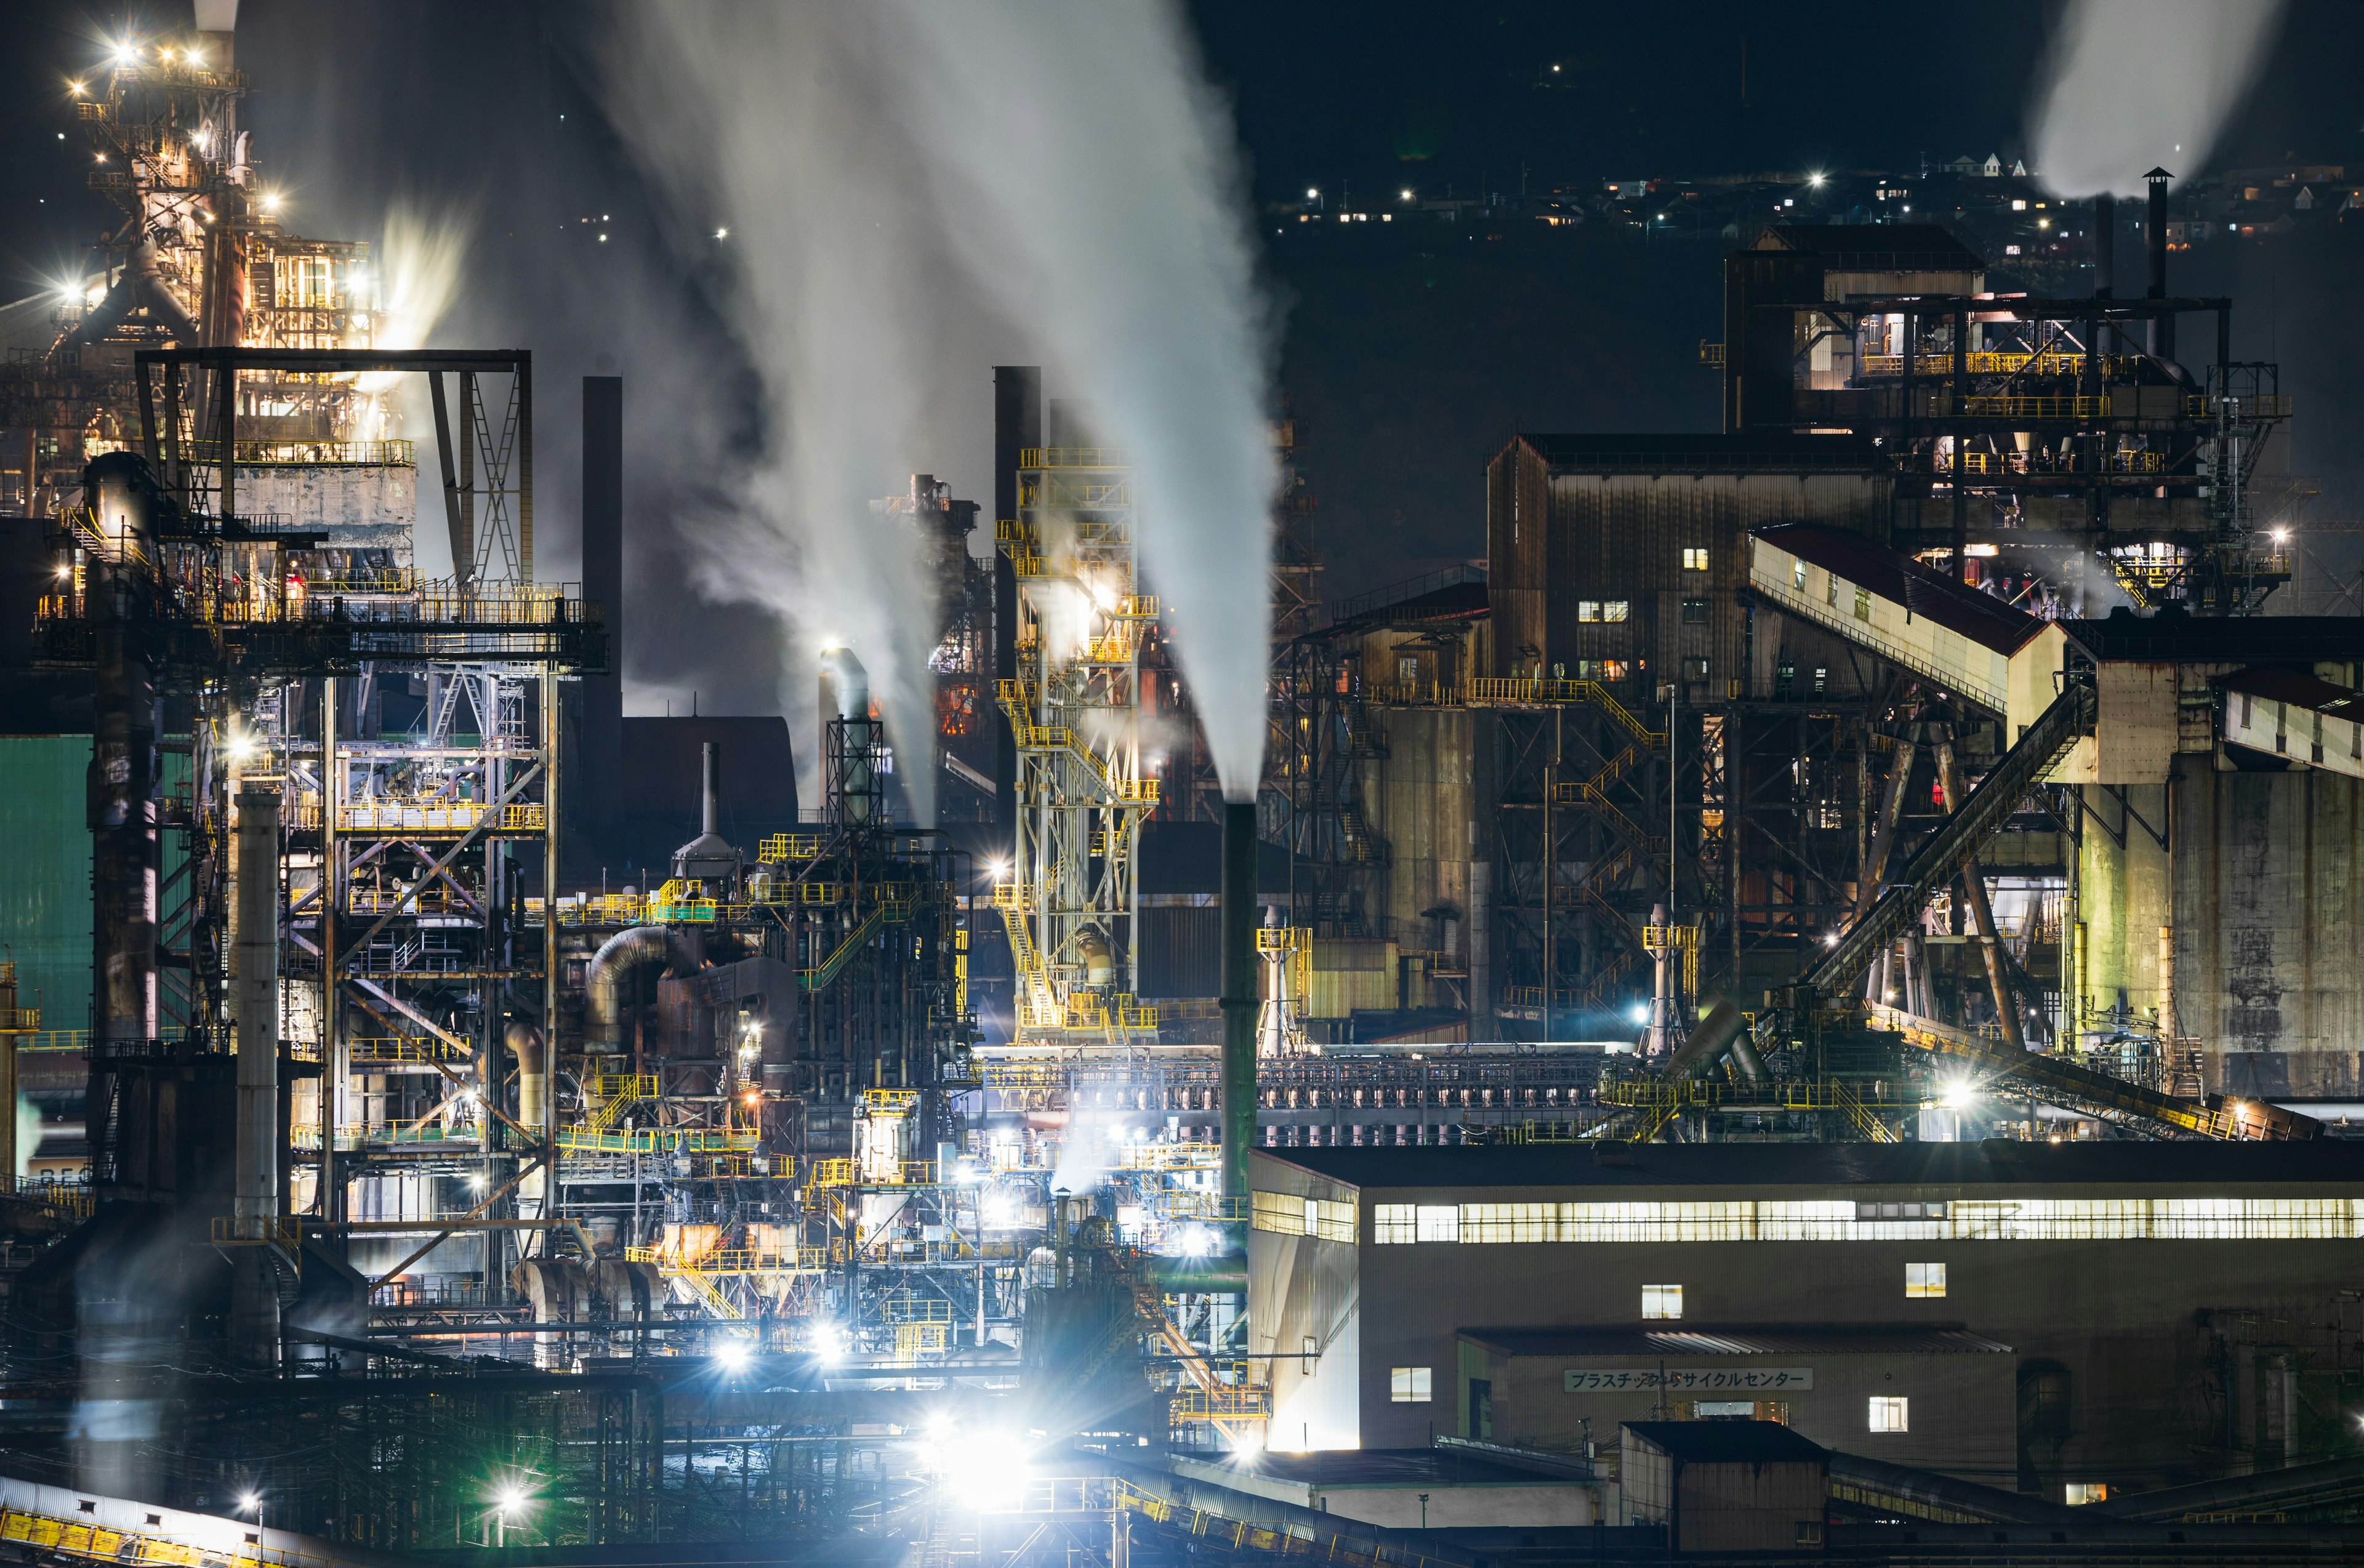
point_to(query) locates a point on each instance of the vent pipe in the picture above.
(710, 819)
(2106, 246)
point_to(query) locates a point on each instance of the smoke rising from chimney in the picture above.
(911, 192)
(2128, 83)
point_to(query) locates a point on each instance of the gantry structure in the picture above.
(1071, 901)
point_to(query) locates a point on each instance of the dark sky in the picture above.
(1411, 367)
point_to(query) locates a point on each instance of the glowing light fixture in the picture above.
(77, 89)
(247, 1502)
(1815, 181)
(732, 1354)
(1960, 1094)
(1640, 1013)
(1312, 196)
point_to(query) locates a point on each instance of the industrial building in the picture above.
(1808, 996)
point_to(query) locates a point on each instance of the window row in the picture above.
(1284, 1213)
(1960, 1219)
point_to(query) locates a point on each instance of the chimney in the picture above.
(2106, 246)
(2162, 327)
(1239, 1001)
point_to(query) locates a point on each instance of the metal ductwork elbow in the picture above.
(619, 955)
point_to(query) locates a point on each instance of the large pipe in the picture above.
(1974, 890)
(1883, 833)
(1706, 1045)
(619, 956)
(710, 819)
(1239, 1001)
(254, 1317)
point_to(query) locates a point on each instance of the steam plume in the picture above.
(906, 183)
(2131, 81)
(1106, 202)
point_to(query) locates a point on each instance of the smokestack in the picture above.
(710, 815)
(254, 1315)
(594, 774)
(1017, 424)
(1238, 1004)
(2105, 247)
(2162, 327)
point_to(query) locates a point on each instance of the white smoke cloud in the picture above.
(907, 186)
(2128, 83)
(1096, 166)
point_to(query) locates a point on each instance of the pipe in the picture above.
(142, 286)
(524, 1043)
(617, 956)
(2162, 327)
(255, 1314)
(1662, 989)
(1239, 1000)
(1706, 1045)
(849, 684)
(1974, 892)
(1883, 833)
(709, 817)
(1750, 1065)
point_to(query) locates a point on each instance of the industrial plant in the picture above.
(1804, 1007)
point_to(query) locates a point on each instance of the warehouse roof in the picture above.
(1996, 1161)
(1332, 1469)
(1729, 1442)
(1748, 452)
(1897, 577)
(2173, 638)
(1832, 1339)
(2298, 691)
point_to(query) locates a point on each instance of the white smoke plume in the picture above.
(1096, 166)
(2131, 85)
(419, 260)
(907, 186)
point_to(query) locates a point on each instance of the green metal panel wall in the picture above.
(45, 907)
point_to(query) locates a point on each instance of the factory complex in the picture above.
(1804, 1007)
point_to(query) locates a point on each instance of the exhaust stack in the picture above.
(2162, 327)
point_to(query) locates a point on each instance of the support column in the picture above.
(254, 1311)
(1239, 1000)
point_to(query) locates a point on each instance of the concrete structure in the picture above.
(1724, 1485)
(2048, 1314)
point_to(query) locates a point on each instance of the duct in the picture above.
(1883, 833)
(856, 793)
(1706, 1045)
(525, 1044)
(1239, 1001)
(141, 287)
(1744, 1058)
(708, 857)
(1099, 964)
(619, 956)
(254, 1311)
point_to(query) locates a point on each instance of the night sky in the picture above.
(1410, 364)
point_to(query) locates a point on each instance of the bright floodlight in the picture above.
(124, 53)
(1198, 1242)
(2280, 534)
(731, 1353)
(1312, 196)
(981, 1470)
(1247, 1444)
(1640, 1014)
(1960, 1094)
(248, 1501)
(1404, 194)
(512, 1498)
(1815, 181)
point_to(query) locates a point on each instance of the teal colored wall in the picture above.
(45, 875)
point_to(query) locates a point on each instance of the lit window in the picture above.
(1889, 1413)
(1587, 609)
(1694, 611)
(1614, 670)
(1438, 1222)
(1862, 604)
(1831, 589)
(1798, 575)
(1283, 1214)
(1409, 1385)
(1392, 1225)
(1694, 669)
(1509, 1222)
(1662, 1301)
(1614, 609)
(1924, 1279)
(2080, 1493)
(1694, 559)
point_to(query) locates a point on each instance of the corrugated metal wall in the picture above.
(1181, 950)
(45, 916)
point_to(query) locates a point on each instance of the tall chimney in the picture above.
(2106, 246)
(710, 815)
(2162, 327)
(1239, 1003)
